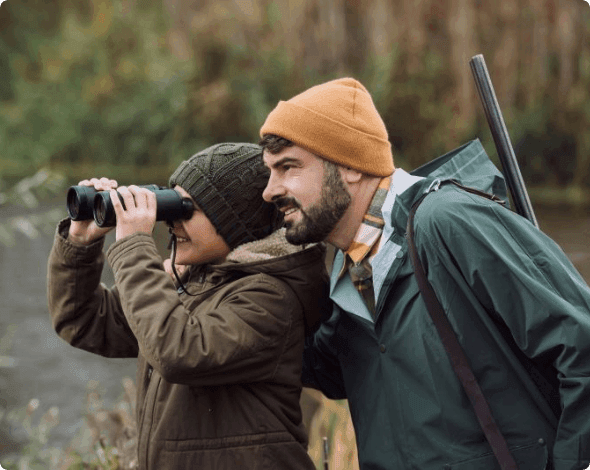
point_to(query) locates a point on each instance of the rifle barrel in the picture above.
(514, 180)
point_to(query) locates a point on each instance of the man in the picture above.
(511, 295)
(219, 355)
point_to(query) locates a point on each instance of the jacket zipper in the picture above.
(141, 416)
(150, 395)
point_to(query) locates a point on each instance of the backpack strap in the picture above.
(477, 192)
(455, 351)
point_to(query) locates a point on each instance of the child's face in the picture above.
(197, 240)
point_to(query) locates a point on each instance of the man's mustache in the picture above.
(287, 202)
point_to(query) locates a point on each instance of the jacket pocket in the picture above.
(528, 457)
(266, 451)
(247, 457)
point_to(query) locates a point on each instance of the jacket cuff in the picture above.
(73, 253)
(121, 248)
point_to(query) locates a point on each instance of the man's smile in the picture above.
(290, 211)
(287, 205)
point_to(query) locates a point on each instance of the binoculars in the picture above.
(85, 203)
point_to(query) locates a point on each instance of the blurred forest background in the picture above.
(132, 87)
(129, 88)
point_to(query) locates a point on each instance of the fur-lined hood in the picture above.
(302, 268)
(273, 246)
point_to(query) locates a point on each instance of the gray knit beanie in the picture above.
(226, 181)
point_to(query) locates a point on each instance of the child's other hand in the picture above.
(84, 232)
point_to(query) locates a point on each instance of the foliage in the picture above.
(106, 442)
(36, 454)
(97, 85)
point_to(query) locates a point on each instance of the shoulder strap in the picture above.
(457, 355)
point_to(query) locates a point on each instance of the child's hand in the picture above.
(139, 213)
(84, 232)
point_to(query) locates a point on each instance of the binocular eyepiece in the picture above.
(85, 203)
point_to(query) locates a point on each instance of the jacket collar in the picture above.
(403, 202)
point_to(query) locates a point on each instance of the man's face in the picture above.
(309, 191)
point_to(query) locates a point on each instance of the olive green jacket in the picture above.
(218, 375)
(511, 295)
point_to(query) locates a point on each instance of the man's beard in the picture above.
(318, 221)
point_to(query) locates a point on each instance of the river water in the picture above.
(44, 367)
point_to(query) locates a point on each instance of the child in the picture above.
(219, 355)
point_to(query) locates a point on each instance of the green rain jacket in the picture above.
(510, 293)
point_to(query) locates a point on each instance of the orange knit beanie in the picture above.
(336, 121)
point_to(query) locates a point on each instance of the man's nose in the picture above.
(272, 190)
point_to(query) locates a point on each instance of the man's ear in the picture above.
(350, 175)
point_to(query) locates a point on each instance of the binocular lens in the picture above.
(104, 212)
(85, 203)
(79, 201)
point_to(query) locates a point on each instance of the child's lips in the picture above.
(181, 239)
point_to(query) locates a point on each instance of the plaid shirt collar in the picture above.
(365, 243)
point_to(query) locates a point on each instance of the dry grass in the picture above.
(108, 440)
(330, 420)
